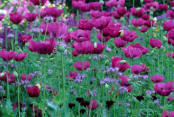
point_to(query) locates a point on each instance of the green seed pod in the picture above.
(165, 38)
(71, 61)
(121, 32)
(107, 62)
(95, 45)
(2, 74)
(61, 48)
(123, 61)
(15, 27)
(15, 74)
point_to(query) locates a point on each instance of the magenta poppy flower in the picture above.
(55, 29)
(116, 15)
(25, 38)
(144, 29)
(93, 105)
(15, 105)
(149, 23)
(99, 49)
(33, 91)
(67, 37)
(102, 22)
(76, 4)
(168, 25)
(122, 66)
(137, 12)
(167, 114)
(38, 2)
(124, 81)
(147, 1)
(112, 30)
(172, 2)
(51, 11)
(170, 14)
(85, 47)
(121, 11)
(102, 38)
(148, 6)
(20, 57)
(163, 7)
(135, 50)
(81, 66)
(7, 55)
(164, 89)
(137, 69)
(170, 54)
(30, 17)
(85, 24)
(111, 3)
(129, 35)
(155, 43)
(95, 5)
(170, 99)
(119, 42)
(72, 75)
(85, 7)
(26, 77)
(121, 3)
(81, 35)
(15, 18)
(41, 47)
(137, 22)
(145, 16)
(157, 78)
(2, 16)
(171, 34)
(96, 14)
(11, 78)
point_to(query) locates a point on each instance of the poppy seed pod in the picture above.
(15, 74)
(2, 74)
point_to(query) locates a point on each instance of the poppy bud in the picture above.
(106, 62)
(20, 51)
(38, 85)
(16, 44)
(119, 6)
(5, 23)
(151, 13)
(151, 18)
(123, 61)
(15, 27)
(95, 45)
(2, 74)
(106, 85)
(138, 8)
(141, 1)
(151, 8)
(70, 30)
(27, 44)
(71, 61)
(121, 32)
(15, 74)
(164, 38)
(61, 48)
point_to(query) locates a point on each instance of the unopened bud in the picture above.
(95, 45)
(15, 74)
(123, 61)
(2, 74)
(165, 38)
(121, 32)
(38, 85)
(61, 48)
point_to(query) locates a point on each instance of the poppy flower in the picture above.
(38, 2)
(148, 6)
(20, 56)
(102, 38)
(80, 35)
(157, 78)
(137, 22)
(137, 12)
(41, 47)
(147, 1)
(124, 81)
(164, 89)
(85, 47)
(119, 42)
(170, 54)
(79, 99)
(145, 16)
(81, 66)
(15, 105)
(121, 11)
(109, 103)
(30, 17)
(93, 105)
(85, 24)
(11, 77)
(144, 29)
(72, 75)
(95, 5)
(102, 22)
(71, 105)
(25, 77)
(167, 114)
(129, 35)
(116, 15)
(170, 14)
(168, 25)
(111, 3)
(55, 29)
(67, 38)
(2, 16)
(155, 43)
(137, 69)
(7, 55)
(122, 66)
(98, 49)
(51, 11)
(15, 18)
(33, 91)
(25, 38)
(163, 7)
(170, 99)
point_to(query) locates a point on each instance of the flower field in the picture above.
(103, 60)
